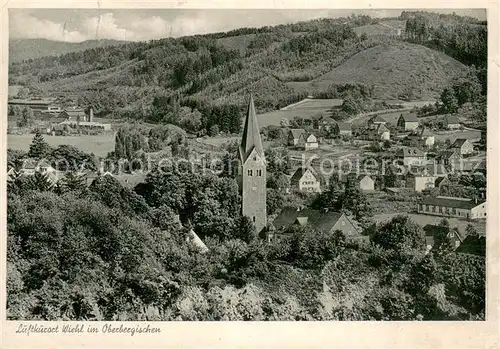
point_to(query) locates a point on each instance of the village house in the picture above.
(442, 183)
(474, 245)
(305, 179)
(408, 121)
(427, 137)
(363, 182)
(85, 125)
(324, 221)
(310, 141)
(295, 136)
(35, 104)
(420, 182)
(323, 122)
(74, 114)
(381, 133)
(434, 233)
(366, 183)
(375, 121)
(452, 207)
(451, 122)
(449, 158)
(412, 156)
(463, 146)
(342, 129)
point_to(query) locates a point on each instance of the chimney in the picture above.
(91, 114)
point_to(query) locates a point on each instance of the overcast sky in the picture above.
(76, 25)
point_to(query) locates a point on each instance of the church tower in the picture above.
(252, 171)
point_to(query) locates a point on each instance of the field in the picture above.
(306, 109)
(99, 145)
(423, 220)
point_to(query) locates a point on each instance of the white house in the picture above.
(311, 142)
(304, 179)
(453, 207)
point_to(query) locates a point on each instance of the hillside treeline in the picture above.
(213, 77)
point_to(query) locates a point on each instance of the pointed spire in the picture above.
(251, 134)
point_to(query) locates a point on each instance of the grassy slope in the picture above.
(392, 69)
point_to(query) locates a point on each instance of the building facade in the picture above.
(304, 179)
(453, 207)
(252, 171)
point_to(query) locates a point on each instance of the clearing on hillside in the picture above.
(394, 69)
(305, 109)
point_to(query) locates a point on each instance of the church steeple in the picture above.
(251, 134)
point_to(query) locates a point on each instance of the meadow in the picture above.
(100, 145)
(305, 109)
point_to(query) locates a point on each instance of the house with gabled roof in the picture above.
(408, 121)
(295, 137)
(435, 233)
(305, 179)
(310, 141)
(323, 122)
(463, 146)
(326, 221)
(342, 129)
(380, 133)
(375, 121)
(451, 122)
(412, 156)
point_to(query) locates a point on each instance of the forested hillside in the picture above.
(211, 74)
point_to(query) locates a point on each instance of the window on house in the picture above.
(249, 172)
(254, 219)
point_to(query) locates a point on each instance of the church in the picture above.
(252, 171)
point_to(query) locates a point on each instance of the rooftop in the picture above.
(409, 117)
(452, 202)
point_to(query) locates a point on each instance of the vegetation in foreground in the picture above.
(106, 252)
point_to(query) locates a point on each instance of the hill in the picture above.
(394, 69)
(22, 49)
(212, 74)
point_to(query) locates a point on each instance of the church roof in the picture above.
(251, 133)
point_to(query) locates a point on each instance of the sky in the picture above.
(76, 25)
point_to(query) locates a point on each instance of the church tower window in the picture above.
(249, 172)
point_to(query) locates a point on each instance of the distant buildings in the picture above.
(380, 133)
(420, 182)
(375, 121)
(462, 146)
(36, 104)
(342, 129)
(452, 207)
(451, 122)
(305, 179)
(323, 122)
(412, 156)
(310, 141)
(295, 136)
(408, 121)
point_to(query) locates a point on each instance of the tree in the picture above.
(274, 201)
(355, 201)
(25, 117)
(39, 148)
(449, 100)
(399, 234)
(471, 231)
(72, 181)
(214, 130)
(350, 105)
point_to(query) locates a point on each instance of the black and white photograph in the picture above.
(246, 165)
